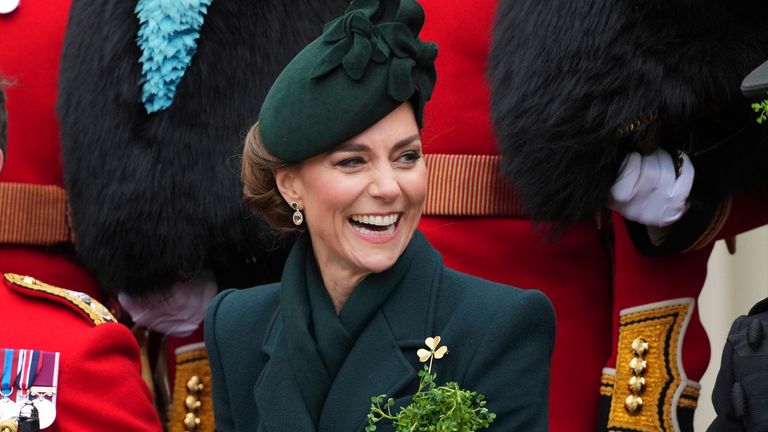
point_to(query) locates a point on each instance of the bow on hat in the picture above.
(358, 42)
(366, 63)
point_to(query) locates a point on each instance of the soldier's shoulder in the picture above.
(759, 307)
(78, 303)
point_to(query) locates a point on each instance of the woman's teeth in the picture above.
(389, 230)
(376, 220)
(371, 225)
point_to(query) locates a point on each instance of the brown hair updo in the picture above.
(259, 186)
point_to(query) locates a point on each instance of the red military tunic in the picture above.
(567, 116)
(100, 385)
(99, 380)
(34, 233)
(654, 298)
(480, 231)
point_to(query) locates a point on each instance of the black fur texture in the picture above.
(155, 198)
(566, 75)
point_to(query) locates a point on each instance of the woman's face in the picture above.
(362, 201)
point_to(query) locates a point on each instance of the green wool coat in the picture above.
(499, 341)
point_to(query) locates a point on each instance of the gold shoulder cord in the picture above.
(96, 312)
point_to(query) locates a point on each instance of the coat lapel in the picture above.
(277, 394)
(377, 364)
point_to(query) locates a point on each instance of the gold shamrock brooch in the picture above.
(435, 351)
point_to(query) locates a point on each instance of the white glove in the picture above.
(649, 192)
(177, 313)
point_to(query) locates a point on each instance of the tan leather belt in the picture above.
(34, 215)
(468, 185)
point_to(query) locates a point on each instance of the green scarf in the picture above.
(319, 340)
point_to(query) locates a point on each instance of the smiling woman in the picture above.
(336, 158)
(363, 200)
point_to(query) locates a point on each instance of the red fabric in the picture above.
(574, 271)
(457, 120)
(55, 268)
(31, 38)
(100, 385)
(641, 280)
(748, 211)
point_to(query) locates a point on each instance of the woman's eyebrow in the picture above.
(405, 141)
(351, 147)
(358, 147)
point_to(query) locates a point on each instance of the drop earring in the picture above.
(298, 218)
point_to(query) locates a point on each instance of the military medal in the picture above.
(8, 408)
(36, 382)
(43, 392)
(46, 410)
(28, 368)
(8, 6)
(34, 377)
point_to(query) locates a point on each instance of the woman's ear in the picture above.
(288, 184)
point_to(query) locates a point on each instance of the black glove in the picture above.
(740, 396)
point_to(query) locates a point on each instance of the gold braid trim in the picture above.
(95, 311)
(689, 398)
(687, 403)
(192, 400)
(607, 382)
(632, 126)
(691, 393)
(663, 326)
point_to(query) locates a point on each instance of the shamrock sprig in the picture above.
(761, 108)
(433, 408)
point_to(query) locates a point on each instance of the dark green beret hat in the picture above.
(364, 65)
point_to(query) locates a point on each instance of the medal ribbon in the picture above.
(9, 372)
(29, 367)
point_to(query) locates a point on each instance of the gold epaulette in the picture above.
(83, 303)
